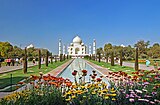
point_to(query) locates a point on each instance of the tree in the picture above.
(112, 58)
(108, 48)
(5, 48)
(25, 61)
(51, 59)
(142, 47)
(121, 55)
(136, 59)
(47, 58)
(39, 59)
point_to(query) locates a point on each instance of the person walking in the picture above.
(17, 61)
(9, 61)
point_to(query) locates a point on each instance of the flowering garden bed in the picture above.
(142, 88)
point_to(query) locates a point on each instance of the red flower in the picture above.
(99, 79)
(95, 74)
(84, 71)
(74, 73)
(158, 68)
(93, 77)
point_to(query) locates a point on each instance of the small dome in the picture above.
(77, 39)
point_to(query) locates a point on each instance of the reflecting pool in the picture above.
(79, 64)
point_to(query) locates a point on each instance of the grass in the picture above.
(114, 68)
(5, 79)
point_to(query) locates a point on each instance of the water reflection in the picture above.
(79, 65)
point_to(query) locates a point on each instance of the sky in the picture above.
(43, 22)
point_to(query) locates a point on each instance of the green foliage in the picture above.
(41, 96)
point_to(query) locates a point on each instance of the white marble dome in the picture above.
(77, 39)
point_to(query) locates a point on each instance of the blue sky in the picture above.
(43, 22)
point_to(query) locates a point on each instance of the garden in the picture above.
(140, 88)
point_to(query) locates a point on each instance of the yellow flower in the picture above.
(84, 96)
(73, 96)
(106, 97)
(112, 94)
(105, 90)
(112, 88)
(82, 87)
(112, 91)
(93, 92)
(113, 99)
(68, 99)
(68, 93)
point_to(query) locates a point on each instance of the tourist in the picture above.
(147, 63)
(33, 61)
(17, 61)
(12, 61)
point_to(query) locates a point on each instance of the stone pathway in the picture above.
(104, 71)
(141, 66)
(5, 69)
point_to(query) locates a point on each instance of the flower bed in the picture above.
(143, 88)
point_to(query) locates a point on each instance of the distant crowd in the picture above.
(13, 62)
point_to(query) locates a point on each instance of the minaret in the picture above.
(89, 49)
(64, 49)
(60, 48)
(94, 46)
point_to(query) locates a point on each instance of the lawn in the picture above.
(114, 68)
(5, 79)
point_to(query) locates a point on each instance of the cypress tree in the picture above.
(47, 58)
(106, 57)
(99, 57)
(112, 58)
(67, 56)
(136, 59)
(55, 58)
(51, 59)
(39, 59)
(25, 61)
(64, 57)
(61, 57)
(121, 60)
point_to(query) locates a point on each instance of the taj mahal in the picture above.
(77, 48)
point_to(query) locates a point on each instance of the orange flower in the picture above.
(52, 83)
(68, 84)
(34, 77)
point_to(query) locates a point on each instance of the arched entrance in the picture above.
(76, 50)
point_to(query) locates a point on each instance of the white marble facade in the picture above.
(77, 48)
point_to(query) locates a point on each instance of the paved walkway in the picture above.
(141, 66)
(54, 72)
(5, 69)
(104, 71)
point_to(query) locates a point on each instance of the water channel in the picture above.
(79, 64)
